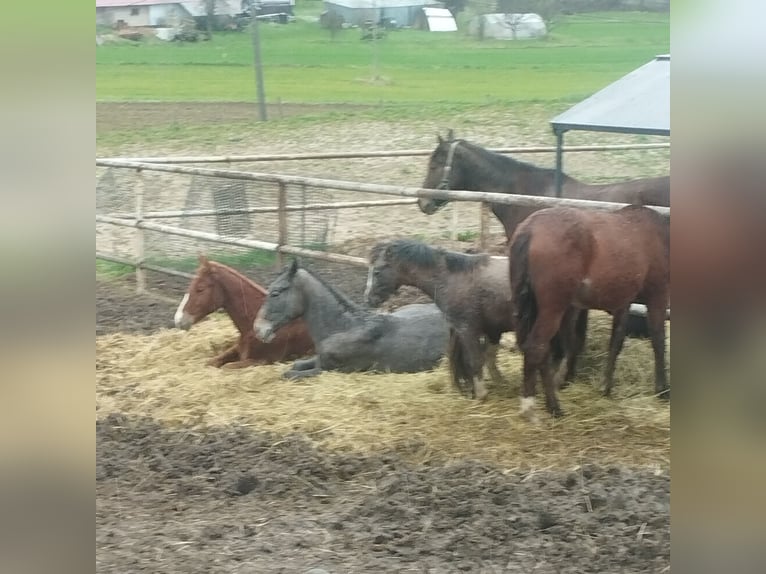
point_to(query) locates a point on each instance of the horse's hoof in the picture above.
(557, 413)
(664, 395)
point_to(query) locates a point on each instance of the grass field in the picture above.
(303, 64)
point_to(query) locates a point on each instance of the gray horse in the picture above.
(347, 336)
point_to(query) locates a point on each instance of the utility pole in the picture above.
(258, 64)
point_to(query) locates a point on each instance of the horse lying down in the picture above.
(348, 337)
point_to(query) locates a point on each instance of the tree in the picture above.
(209, 6)
(455, 6)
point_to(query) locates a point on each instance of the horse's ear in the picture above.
(450, 135)
(293, 268)
(203, 260)
(439, 139)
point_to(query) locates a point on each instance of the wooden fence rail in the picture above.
(138, 219)
(402, 191)
(368, 154)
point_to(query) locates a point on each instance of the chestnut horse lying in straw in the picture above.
(462, 165)
(473, 292)
(350, 338)
(217, 286)
(566, 259)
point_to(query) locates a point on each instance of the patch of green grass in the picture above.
(302, 63)
(112, 270)
(251, 258)
(467, 235)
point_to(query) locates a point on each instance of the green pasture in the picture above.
(304, 64)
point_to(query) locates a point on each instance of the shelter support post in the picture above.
(559, 161)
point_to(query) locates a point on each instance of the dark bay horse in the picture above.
(563, 259)
(474, 293)
(461, 165)
(349, 337)
(216, 286)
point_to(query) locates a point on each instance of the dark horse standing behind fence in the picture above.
(458, 164)
(217, 286)
(564, 259)
(473, 292)
(349, 337)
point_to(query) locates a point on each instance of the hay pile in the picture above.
(417, 415)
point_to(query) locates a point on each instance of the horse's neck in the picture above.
(508, 175)
(424, 278)
(323, 314)
(241, 300)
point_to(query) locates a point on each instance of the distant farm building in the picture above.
(398, 12)
(436, 20)
(508, 26)
(157, 13)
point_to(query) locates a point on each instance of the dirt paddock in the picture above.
(208, 470)
(244, 494)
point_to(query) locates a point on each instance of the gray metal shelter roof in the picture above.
(638, 103)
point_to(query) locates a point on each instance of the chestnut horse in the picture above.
(217, 286)
(564, 259)
(459, 164)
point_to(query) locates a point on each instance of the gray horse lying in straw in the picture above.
(347, 336)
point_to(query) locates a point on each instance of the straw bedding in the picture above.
(419, 416)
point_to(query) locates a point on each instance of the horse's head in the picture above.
(382, 278)
(440, 174)
(204, 296)
(283, 303)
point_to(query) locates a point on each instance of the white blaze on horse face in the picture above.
(182, 319)
(263, 328)
(368, 289)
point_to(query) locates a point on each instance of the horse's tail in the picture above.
(522, 291)
(459, 367)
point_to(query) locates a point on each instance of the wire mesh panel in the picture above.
(115, 195)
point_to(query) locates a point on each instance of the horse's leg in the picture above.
(229, 355)
(616, 340)
(303, 368)
(655, 315)
(536, 351)
(490, 359)
(561, 346)
(474, 358)
(458, 369)
(574, 345)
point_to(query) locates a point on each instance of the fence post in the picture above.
(455, 218)
(282, 214)
(483, 225)
(139, 235)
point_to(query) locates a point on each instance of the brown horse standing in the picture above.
(459, 164)
(217, 286)
(564, 259)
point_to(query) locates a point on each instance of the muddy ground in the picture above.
(236, 499)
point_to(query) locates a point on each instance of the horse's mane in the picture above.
(216, 266)
(502, 161)
(340, 297)
(424, 255)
